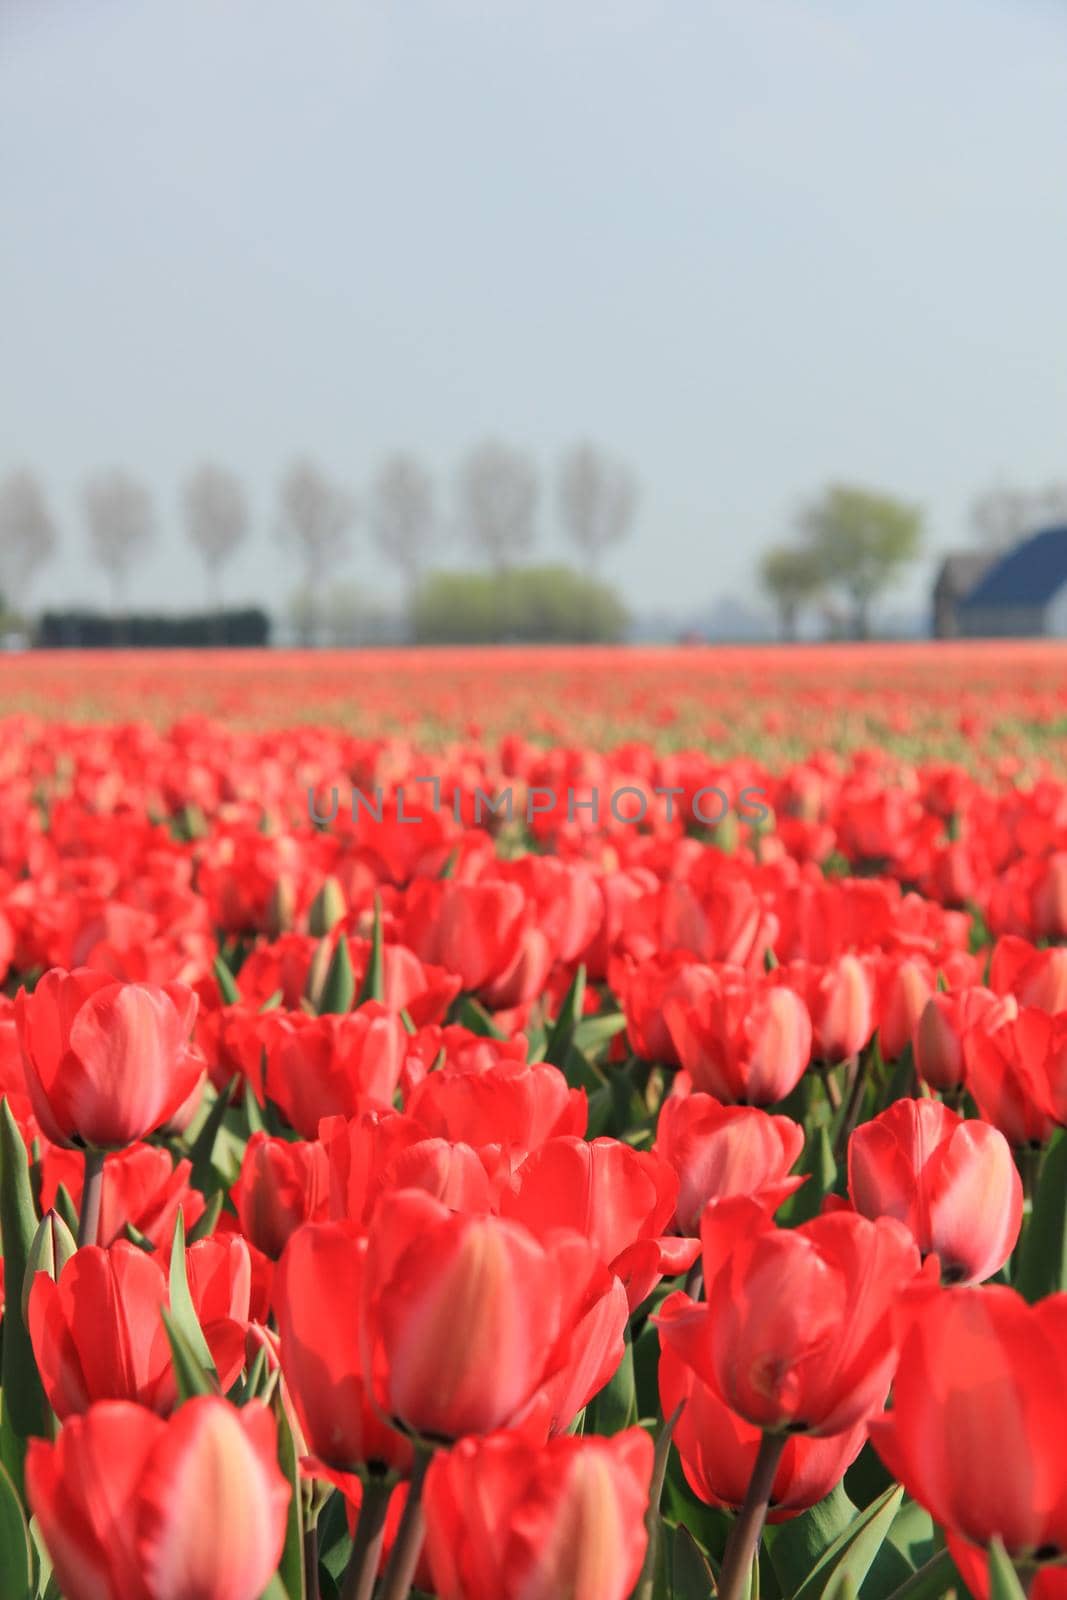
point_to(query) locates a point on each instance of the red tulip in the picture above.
(980, 1415)
(743, 1040)
(106, 1063)
(135, 1508)
(843, 1002)
(943, 1026)
(1035, 977)
(644, 989)
(317, 1292)
(953, 1184)
(281, 1185)
(721, 1151)
(465, 1318)
(381, 1151)
(718, 1448)
(98, 1332)
(141, 1185)
(620, 1199)
(795, 1333)
(506, 1520)
(1009, 1074)
(510, 1108)
(333, 1066)
(905, 988)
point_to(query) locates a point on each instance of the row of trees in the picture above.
(495, 505)
(856, 541)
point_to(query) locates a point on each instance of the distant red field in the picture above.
(969, 701)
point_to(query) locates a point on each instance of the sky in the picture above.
(750, 246)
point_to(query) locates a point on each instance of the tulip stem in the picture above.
(400, 1573)
(92, 1187)
(647, 1580)
(311, 1562)
(743, 1542)
(366, 1554)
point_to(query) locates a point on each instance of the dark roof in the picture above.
(1029, 575)
(960, 571)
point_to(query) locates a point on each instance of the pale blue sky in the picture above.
(748, 244)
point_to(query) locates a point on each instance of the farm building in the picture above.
(1021, 594)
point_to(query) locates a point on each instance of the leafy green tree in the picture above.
(792, 576)
(861, 539)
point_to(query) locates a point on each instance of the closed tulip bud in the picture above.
(943, 1026)
(317, 970)
(281, 1185)
(281, 908)
(106, 1063)
(506, 1520)
(134, 1508)
(843, 1009)
(953, 1184)
(52, 1247)
(327, 909)
(906, 987)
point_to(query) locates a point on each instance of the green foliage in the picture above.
(792, 575)
(859, 540)
(530, 605)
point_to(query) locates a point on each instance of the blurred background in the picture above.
(341, 323)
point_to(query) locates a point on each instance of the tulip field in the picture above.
(534, 1125)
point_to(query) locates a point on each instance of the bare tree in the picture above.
(497, 493)
(215, 509)
(315, 515)
(402, 519)
(597, 501)
(121, 522)
(28, 535)
(1002, 515)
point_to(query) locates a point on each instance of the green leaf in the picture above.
(291, 1566)
(64, 1205)
(594, 1032)
(373, 985)
(182, 1311)
(16, 1551)
(615, 1407)
(190, 1375)
(405, 1017)
(562, 1031)
(205, 1224)
(231, 994)
(932, 1580)
(683, 1571)
(1003, 1580)
(797, 1545)
(474, 1016)
(852, 1552)
(203, 1148)
(821, 1169)
(339, 990)
(257, 1123)
(1042, 1259)
(272, 1002)
(24, 1402)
